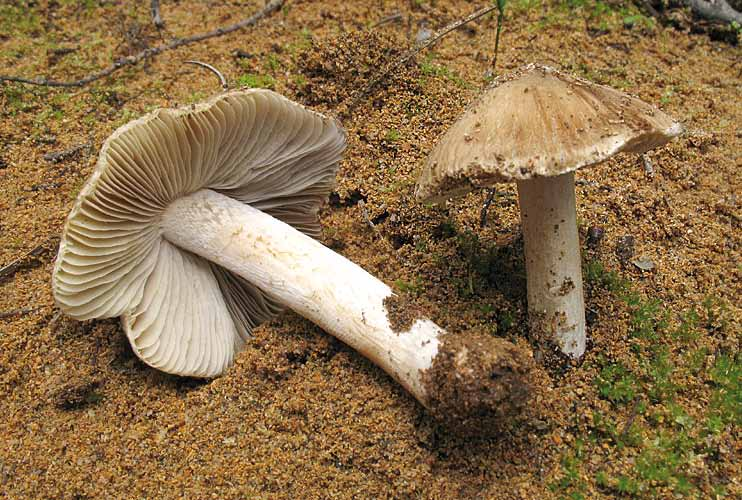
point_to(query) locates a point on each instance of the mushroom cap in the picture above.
(539, 122)
(181, 313)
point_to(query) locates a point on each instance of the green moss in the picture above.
(430, 69)
(392, 135)
(616, 384)
(726, 398)
(255, 81)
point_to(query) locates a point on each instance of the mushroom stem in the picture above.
(553, 266)
(305, 276)
(460, 379)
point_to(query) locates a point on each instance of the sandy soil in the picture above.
(652, 411)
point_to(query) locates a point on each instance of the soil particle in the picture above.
(477, 383)
(334, 67)
(300, 415)
(402, 312)
(594, 236)
(542, 332)
(625, 248)
(73, 393)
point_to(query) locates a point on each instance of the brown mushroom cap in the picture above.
(539, 122)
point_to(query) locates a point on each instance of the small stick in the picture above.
(648, 168)
(392, 18)
(17, 312)
(367, 220)
(491, 193)
(63, 155)
(156, 17)
(632, 417)
(10, 269)
(271, 7)
(211, 68)
(419, 47)
(650, 9)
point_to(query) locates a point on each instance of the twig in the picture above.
(211, 68)
(392, 18)
(17, 312)
(367, 219)
(715, 10)
(156, 17)
(648, 167)
(491, 193)
(63, 155)
(632, 417)
(419, 47)
(9, 270)
(271, 7)
(649, 9)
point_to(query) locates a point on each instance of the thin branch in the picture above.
(211, 68)
(419, 47)
(29, 259)
(392, 18)
(156, 17)
(715, 10)
(649, 9)
(647, 164)
(17, 312)
(58, 156)
(271, 7)
(491, 193)
(632, 417)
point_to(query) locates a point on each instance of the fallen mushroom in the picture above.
(196, 226)
(536, 127)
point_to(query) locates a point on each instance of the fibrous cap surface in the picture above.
(539, 122)
(183, 314)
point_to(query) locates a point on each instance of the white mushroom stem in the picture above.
(553, 265)
(305, 276)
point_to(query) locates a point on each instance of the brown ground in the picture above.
(301, 416)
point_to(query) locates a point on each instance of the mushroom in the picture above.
(197, 225)
(536, 127)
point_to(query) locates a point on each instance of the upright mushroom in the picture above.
(536, 127)
(195, 227)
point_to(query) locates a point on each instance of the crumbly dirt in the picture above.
(649, 412)
(402, 312)
(477, 383)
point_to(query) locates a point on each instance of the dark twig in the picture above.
(367, 219)
(419, 47)
(25, 261)
(491, 193)
(715, 10)
(211, 68)
(648, 167)
(271, 7)
(392, 18)
(632, 417)
(649, 9)
(58, 156)
(156, 17)
(17, 312)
